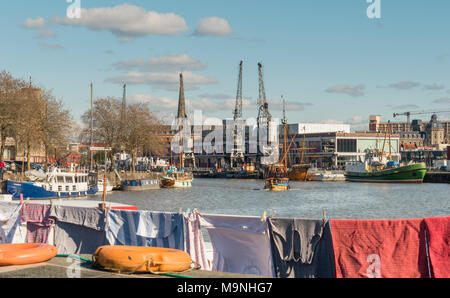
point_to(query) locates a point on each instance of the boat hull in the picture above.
(273, 184)
(405, 174)
(31, 191)
(176, 183)
(299, 173)
(140, 185)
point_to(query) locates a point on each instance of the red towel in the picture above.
(393, 248)
(438, 233)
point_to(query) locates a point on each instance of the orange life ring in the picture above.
(26, 253)
(125, 258)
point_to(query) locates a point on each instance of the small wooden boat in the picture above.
(277, 184)
(177, 180)
(276, 178)
(132, 259)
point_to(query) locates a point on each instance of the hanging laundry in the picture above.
(38, 222)
(78, 230)
(390, 248)
(194, 240)
(145, 228)
(301, 248)
(438, 239)
(240, 244)
(10, 222)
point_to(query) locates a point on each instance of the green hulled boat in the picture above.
(412, 173)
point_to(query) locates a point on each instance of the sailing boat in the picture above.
(299, 171)
(277, 179)
(380, 168)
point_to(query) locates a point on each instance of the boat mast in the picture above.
(284, 122)
(389, 133)
(303, 144)
(92, 128)
(384, 141)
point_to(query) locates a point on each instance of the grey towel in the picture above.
(78, 230)
(301, 247)
(94, 218)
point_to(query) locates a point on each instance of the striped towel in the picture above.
(39, 222)
(9, 220)
(145, 228)
(195, 245)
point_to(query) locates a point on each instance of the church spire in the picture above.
(181, 103)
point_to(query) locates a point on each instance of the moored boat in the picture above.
(140, 184)
(379, 166)
(412, 173)
(299, 172)
(177, 180)
(55, 184)
(100, 184)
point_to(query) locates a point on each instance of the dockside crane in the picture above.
(264, 116)
(408, 114)
(237, 155)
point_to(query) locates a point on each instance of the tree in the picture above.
(10, 106)
(132, 128)
(55, 123)
(106, 122)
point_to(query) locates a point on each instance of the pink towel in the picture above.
(438, 233)
(392, 248)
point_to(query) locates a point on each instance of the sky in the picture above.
(332, 61)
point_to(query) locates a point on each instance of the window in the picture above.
(346, 145)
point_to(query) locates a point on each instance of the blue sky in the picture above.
(330, 61)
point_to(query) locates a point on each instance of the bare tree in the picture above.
(107, 123)
(140, 128)
(10, 106)
(55, 123)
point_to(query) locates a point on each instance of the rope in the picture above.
(74, 256)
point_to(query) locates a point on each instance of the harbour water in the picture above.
(340, 200)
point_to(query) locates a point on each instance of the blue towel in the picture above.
(145, 228)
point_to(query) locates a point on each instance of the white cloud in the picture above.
(34, 23)
(213, 26)
(170, 63)
(168, 81)
(126, 21)
(405, 85)
(353, 90)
